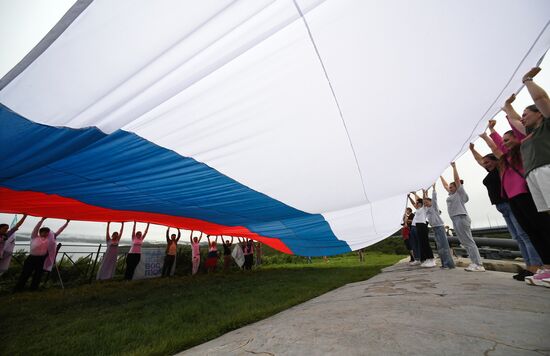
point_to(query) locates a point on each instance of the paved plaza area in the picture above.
(405, 311)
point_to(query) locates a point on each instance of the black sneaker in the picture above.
(521, 275)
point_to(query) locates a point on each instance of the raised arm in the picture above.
(499, 144)
(424, 193)
(134, 231)
(145, 232)
(411, 199)
(36, 228)
(121, 229)
(492, 145)
(477, 156)
(108, 233)
(200, 237)
(456, 176)
(16, 226)
(444, 183)
(179, 235)
(168, 234)
(60, 230)
(539, 96)
(434, 199)
(20, 222)
(217, 238)
(514, 119)
(191, 236)
(231, 240)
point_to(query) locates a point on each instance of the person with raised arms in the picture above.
(134, 256)
(514, 186)
(406, 231)
(42, 240)
(7, 243)
(433, 214)
(420, 218)
(108, 263)
(212, 258)
(535, 151)
(171, 251)
(456, 207)
(195, 252)
(227, 254)
(535, 146)
(494, 189)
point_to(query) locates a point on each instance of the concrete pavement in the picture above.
(405, 310)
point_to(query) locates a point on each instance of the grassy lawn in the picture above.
(164, 316)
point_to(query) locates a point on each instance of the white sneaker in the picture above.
(414, 263)
(474, 268)
(546, 282)
(429, 263)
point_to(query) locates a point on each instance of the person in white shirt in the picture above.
(420, 218)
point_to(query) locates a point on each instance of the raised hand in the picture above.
(531, 74)
(510, 100)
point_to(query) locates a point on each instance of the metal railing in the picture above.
(489, 247)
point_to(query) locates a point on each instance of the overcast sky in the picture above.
(23, 23)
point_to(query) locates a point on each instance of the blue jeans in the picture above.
(443, 249)
(415, 245)
(525, 246)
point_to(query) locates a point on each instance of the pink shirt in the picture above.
(513, 183)
(195, 250)
(136, 245)
(39, 246)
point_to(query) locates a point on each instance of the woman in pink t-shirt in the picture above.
(195, 252)
(514, 187)
(134, 256)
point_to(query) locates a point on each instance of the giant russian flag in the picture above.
(300, 123)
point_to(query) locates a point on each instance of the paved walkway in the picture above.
(405, 311)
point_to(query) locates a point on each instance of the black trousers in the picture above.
(422, 236)
(34, 265)
(132, 260)
(248, 261)
(167, 266)
(535, 224)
